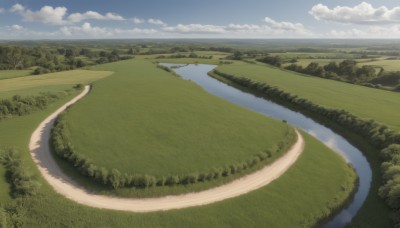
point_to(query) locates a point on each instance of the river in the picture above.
(197, 73)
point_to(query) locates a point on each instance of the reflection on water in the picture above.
(198, 74)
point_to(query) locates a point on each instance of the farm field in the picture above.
(172, 125)
(30, 85)
(382, 106)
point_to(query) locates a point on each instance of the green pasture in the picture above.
(388, 65)
(5, 74)
(382, 106)
(164, 125)
(52, 82)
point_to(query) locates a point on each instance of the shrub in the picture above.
(22, 182)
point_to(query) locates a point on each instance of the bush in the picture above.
(22, 182)
(19, 106)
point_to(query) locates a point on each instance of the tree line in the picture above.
(346, 70)
(46, 60)
(380, 136)
(62, 146)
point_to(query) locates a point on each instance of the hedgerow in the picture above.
(62, 146)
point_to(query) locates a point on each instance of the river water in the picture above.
(197, 73)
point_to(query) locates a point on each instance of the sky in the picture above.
(250, 19)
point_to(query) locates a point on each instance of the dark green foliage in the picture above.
(115, 179)
(19, 106)
(22, 182)
(347, 70)
(272, 60)
(3, 218)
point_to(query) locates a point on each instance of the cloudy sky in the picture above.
(72, 19)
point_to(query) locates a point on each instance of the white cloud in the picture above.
(87, 30)
(136, 20)
(17, 8)
(58, 15)
(78, 17)
(17, 27)
(46, 15)
(373, 32)
(243, 27)
(156, 22)
(272, 29)
(283, 25)
(364, 13)
(195, 28)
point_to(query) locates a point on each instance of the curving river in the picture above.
(198, 74)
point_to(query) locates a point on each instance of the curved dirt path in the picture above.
(64, 185)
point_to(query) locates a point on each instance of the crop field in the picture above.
(52, 82)
(172, 125)
(382, 106)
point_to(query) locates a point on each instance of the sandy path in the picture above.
(64, 185)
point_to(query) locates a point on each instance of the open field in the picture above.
(5, 74)
(52, 82)
(172, 125)
(388, 65)
(382, 106)
(314, 55)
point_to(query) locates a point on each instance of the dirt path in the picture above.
(64, 185)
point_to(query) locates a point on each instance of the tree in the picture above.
(365, 73)
(14, 57)
(347, 68)
(130, 51)
(331, 67)
(237, 55)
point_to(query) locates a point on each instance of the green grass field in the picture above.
(30, 85)
(382, 106)
(6, 74)
(388, 65)
(164, 125)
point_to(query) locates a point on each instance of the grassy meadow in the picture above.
(31, 85)
(6, 74)
(382, 106)
(172, 125)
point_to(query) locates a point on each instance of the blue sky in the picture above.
(71, 19)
